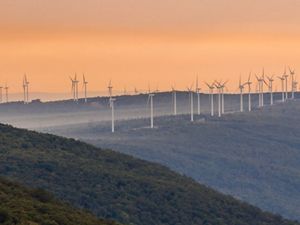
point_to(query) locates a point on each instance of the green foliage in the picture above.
(115, 186)
(23, 206)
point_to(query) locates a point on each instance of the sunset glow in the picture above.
(136, 43)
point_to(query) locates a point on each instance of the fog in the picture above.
(38, 115)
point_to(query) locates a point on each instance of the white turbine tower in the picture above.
(112, 106)
(26, 89)
(85, 83)
(292, 73)
(191, 100)
(198, 89)
(270, 85)
(262, 80)
(282, 79)
(76, 87)
(249, 92)
(241, 87)
(261, 89)
(150, 99)
(73, 89)
(211, 95)
(285, 76)
(219, 87)
(174, 100)
(223, 85)
(6, 92)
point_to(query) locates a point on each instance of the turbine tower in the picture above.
(223, 86)
(198, 89)
(191, 100)
(85, 83)
(76, 87)
(174, 100)
(282, 86)
(72, 88)
(150, 99)
(292, 73)
(249, 92)
(261, 89)
(270, 85)
(74, 82)
(219, 87)
(211, 95)
(6, 92)
(285, 76)
(111, 105)
(25, 89)
(241, 87)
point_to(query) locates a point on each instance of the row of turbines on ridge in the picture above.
(219, 85)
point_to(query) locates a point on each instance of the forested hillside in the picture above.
(20, 205)
(116, 186)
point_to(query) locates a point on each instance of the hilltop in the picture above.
(21, 205)
(116, 186)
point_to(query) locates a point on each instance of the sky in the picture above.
(141, 43)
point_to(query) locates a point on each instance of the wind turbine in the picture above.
(110, 87)
(85, 83)
(73, 88)
(6, 92)
(285, 76)
(198, 97)
(241, 87)
(174, 99)
(25, 89)
(111, 105)
(211, 95)
(76, 87)
(191, 98)
(270, 85)
(261, 88)
(282, 86)
(249, 92)
(223, 100)
(292, 73)
(219, 87)
(150, 99)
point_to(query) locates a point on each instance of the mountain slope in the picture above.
(252, 156)
(116, 186)
(19, 205)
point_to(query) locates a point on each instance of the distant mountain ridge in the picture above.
(116, 186)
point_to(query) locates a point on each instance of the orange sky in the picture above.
(136, 42)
